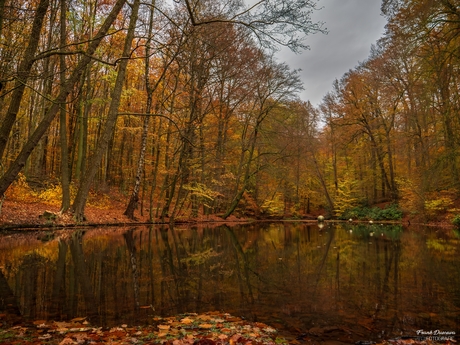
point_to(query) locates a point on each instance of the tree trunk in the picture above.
(247, 173)
(2, 11)
(23, 75)
(28, 147)
(330, 203)
(65, 178)
(82, 194)
(82, 122)
(133, 201)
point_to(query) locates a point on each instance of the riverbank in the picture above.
(21, 214)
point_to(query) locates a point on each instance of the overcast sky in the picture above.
(353, 25)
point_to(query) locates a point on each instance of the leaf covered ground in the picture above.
(211, 328)
(186, 329)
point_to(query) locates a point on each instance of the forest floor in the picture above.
(36, 214)
(107, 210)
(213, 328)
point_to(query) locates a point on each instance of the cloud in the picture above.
(353, 25)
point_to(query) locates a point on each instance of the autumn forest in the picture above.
(182, 108)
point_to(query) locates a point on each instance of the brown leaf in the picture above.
(67, 341)
(205, 341)
(78, 319)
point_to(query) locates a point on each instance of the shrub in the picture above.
(456, 221)
(390, 212)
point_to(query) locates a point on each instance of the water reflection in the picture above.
(347, 280)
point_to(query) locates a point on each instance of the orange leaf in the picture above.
(205, 325)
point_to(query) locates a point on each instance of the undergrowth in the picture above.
(390, 212)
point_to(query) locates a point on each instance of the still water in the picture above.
(345, 281)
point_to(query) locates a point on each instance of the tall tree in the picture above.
(65, 175)
(28, 147)
(274, 83)
(134, 199)
(23, 74)
(83, 190)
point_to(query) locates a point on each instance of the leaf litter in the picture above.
(212, 328)
(186, 329)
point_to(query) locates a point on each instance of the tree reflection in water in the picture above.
(372, 280)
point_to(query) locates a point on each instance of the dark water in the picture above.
(343, 282)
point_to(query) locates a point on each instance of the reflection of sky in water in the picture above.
(351, 280)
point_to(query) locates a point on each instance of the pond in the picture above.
(343, 281)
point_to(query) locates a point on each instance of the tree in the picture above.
(134, 199)
(31, 143)
(65, 175)
(23, 74)
(82, 194)
(274, 23)
(274, 83)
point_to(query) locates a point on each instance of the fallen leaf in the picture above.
(78, 319)
(269, 330)
(205, 341)
(206, 325)
(67, 341)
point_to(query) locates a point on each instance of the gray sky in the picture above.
(353, 26)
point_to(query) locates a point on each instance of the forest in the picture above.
(182, 108)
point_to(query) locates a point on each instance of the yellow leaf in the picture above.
(205, 325)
